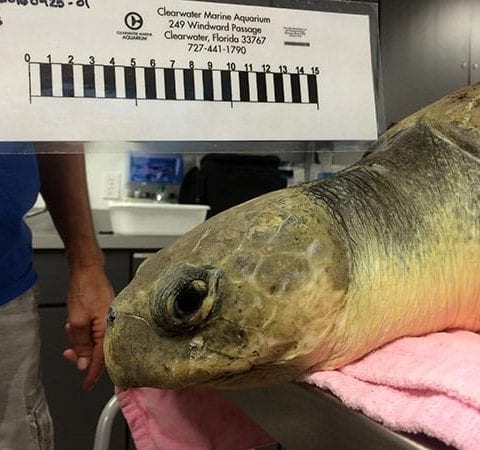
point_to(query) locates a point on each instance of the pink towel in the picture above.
(428, 384)
(188, 419)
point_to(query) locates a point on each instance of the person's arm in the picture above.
(64, 189)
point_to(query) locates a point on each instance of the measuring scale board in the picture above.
(182, 70)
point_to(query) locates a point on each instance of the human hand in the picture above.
(89, 297)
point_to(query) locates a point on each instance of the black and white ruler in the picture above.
(96, 81)
(182, 70)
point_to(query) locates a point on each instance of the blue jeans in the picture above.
(25, 422)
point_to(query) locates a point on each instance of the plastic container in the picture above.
(135, 218)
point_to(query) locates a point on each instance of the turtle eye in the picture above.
(186, 298)
(190, 299)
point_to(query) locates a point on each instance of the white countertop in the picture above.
(45, 236)
(51, 241)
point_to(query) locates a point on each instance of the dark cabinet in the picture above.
(428, 49)
(74, 412)
(475, 43)
(51, 267)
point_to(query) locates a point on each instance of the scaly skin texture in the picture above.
(315, 276)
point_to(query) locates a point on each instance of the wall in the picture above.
(104, 158)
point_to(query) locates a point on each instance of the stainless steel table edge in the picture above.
(301, 416)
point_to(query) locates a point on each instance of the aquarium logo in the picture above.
(133, 21)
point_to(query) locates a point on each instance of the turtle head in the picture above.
(220, 306)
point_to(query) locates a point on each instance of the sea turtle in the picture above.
(314, 276)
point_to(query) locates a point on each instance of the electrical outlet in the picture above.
(111, 185)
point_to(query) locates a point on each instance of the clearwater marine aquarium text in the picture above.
(209, 30)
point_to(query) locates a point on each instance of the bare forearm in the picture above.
(64, 189)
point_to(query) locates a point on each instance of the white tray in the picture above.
(154, 219)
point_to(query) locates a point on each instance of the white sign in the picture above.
(182, 70)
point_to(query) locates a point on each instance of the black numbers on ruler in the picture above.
(232, 66)
(232, 83)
